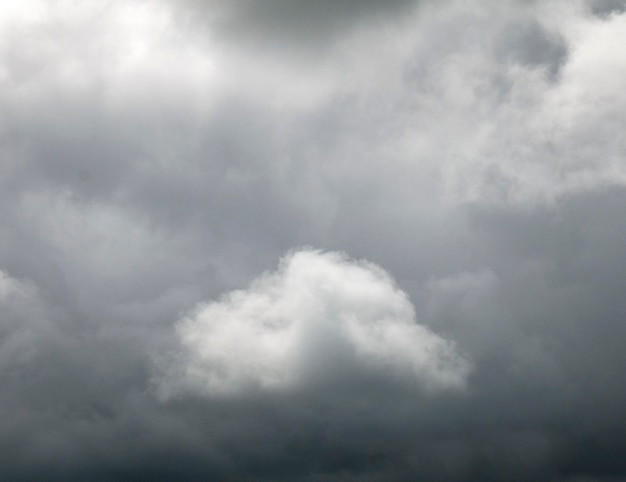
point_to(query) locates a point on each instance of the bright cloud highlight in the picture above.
(319, 317)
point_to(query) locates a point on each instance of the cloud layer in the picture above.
(158, 156)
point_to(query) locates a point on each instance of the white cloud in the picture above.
(318, 317)
(127, 60)
(535, 136)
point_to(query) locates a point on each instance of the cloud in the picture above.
(292, 29)
(544, 129)
(28, 325)
(156, 154)
(319, 316)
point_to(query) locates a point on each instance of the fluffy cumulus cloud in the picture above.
(158, 156)
(318, 317)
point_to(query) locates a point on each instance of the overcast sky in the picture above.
(329, 240)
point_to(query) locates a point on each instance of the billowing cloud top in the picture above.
(318, 317)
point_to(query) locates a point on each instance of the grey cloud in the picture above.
(607, 7)
(531, 44)
(156, 155)
(293, 29)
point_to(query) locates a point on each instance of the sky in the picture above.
(313, 241)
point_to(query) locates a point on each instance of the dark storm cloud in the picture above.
(160, 157)
(294, 28)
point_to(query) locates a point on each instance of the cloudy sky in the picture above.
(330, 240)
